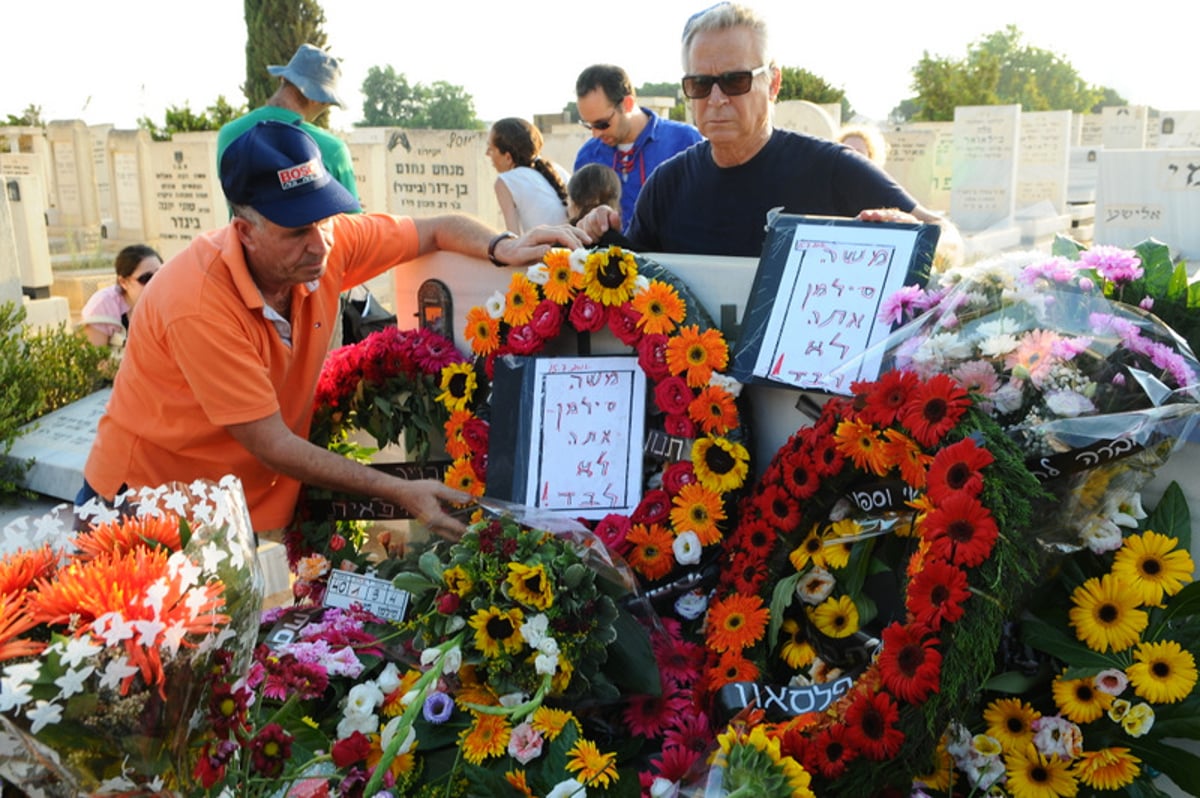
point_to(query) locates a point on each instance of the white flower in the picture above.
(512, 699)
(579, 260)
(1101, 535)
(545, 664)
(997, 345)
(568, 789)
(389, 731)
(1054, 736)
(691, 606)
(731, 386)
(351, 722)
(1128, 512)
(494, 305)
(1112, 681)
(72, 681)
(453, 661)
(538, 274)
(43, 714)
(641, 283)
(455, 623)
(663, 788)
(687, 548)
(363, 697)
(389, 679)
(815, 586)
(409, 697)
(1068, 404)
(548, 645)
(534, 629)
(1007, 397)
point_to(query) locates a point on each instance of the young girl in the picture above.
(531, 190)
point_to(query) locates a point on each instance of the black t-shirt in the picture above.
(690, 205)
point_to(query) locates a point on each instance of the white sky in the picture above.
(115, 61)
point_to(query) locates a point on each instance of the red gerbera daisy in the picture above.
(757, 539)
(800, 475)
(958, 468)
(677, 760)
(936, 594)
(778, 508)
(960, 530)
(679, 661)
(871, 725)
(934, 409)
(886, 398)
(746, 573)
(829, 752)
(650, 716)
(826, 457)
(732, 667)
(909, 663)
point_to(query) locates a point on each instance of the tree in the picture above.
(800, 84)
(183, 120)
(667, 89)
(999, 70)
(30, 117)
(275, 29)
(389, 100)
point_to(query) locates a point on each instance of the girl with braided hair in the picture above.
(531, 190)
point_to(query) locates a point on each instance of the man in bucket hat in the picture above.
(232, 332)
(307, 87)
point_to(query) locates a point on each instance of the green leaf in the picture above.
(1012, 682)
(1180, 721)
(631, 663)
(413, 583)
(1177, 288)
(1171, 517)
(431, 565)
(1183, 604)
(1180, 766)
(781, 599)
(1066, 247)
(1054, 640)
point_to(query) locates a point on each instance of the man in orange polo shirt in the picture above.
(220, 376)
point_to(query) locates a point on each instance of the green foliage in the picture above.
(800, 84)
(184, 120)
(274, 31)
(1000, 69)
(389, 100)
(665, 89)
(30, 117)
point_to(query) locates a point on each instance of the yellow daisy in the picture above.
(487, 737)
(1031, 775)
(551, 722)
(1010, 720)
(1079, 700)
(1107, 769)
(1105, 614)
(1152, 564)
(836, 616)
(1162, 673)
(595, 769)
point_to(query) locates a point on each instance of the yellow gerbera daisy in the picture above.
(458, 384)
(1152, 564)
(1105, 614)
(1107, 769)
(551, 722)
(1079, 700)
(595, 769)
(698, 509)
(497, 629)
(521, 299)
(661, 308)
(487, 737)
(610, 276)
(836, 616)
(1163, 672)
(720, 464)
(530, 585)
(1031, 775)
(563, 282)
(796, 651)
(1010, 720)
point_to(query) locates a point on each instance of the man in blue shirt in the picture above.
(631, 139)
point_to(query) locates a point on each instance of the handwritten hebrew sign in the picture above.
(816, 297)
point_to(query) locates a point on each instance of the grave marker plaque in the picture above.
(187, 193)
(985, 174)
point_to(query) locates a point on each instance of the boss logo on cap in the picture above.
(298, 175)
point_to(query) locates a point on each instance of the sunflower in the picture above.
(461, 476)
(714, 410)
(795, 650)
(530, 585)
(1031, 775)
(661, 308)
(698, 509)
(1107, 769)
(1152, 565)
(482, 331)
(458, 581)
(720, 464)
(1078, 699)
(594, 768)
(487, 737)
(519, 302)
(1010, 720)
(697, 353)
(609, 276)
(458, 385)
(550, 721)
(835, 617)
(497, 630)
(651, 555)
(1105, 614)
(1162, 673)
(860, 441)
(934, 409)
(736, 622)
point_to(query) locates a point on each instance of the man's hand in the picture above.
(598, 221)
(425, 499)
(533, 246)
(887, 215)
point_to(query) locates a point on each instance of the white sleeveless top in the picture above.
(536, 201)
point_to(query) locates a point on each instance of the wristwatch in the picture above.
(494, 243)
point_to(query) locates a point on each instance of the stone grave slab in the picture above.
(985, 166)
(1123, 127)
(59, 443)
(430, 172)
(187, 197)
(1150, 193)
(1178, 130)
(1043, 159)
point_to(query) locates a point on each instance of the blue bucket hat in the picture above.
(314, 72)
(276, 169)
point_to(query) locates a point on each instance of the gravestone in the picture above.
(102, 170)
(1083, 174)
(1043, 158)
(431, 172)
(912, 161)
(25, 151)
(133, 188)
(1123, 127)
(187, 193)
(28, 213)
(1150, 193)
(1178, 130)
(985, 160)
(10, 268)
(59, 443)
(369, 156)
(76, 197)
(803, 116)
(1087, 130)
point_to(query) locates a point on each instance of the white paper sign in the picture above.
(586, 437)
(377, 596)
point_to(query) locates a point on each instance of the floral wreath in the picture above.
(961, 525)
(686, 510)
(385, 385)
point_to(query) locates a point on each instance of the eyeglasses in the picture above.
(603, 124)
(144, 277)
(697, 87)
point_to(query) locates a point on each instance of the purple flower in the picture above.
(901, 304)
(438, 707)
(1113, 263)
(1147, 303)
(1057, 269)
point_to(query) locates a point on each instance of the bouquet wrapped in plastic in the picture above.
(107, 631)
(1097, 392)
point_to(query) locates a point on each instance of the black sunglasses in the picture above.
(144, 277)
(603, 124)
(697, 87)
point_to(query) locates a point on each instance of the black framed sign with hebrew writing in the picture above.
(815, 301)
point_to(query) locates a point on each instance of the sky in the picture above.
(117, 61)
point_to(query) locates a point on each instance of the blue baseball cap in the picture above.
(276, 168)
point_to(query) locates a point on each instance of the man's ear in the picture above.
(628, 103)
(776, 81)
(243, 228)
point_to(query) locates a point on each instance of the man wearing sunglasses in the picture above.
(631, 139)
(713, 199)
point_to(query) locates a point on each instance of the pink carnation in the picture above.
(1113, 263)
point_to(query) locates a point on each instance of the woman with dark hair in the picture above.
(105, 319)
(531, 189)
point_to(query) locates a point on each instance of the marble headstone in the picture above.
(1150, 193)
(985, 166)
(187, 192)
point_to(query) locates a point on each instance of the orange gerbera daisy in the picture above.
(461, 476)
(732, 667)
(736, 622)
(860, 441)
(661, 308)
(127, 533)
(651, 555)
(520, 300)
(456, 445)
(562, 282)
(903, 452)
(699, 509)
(714, 410)
(482, 331)
(15, 621)
(595, 769)
(697, 353)
(22, 568)
(516, 779)
(487, 737)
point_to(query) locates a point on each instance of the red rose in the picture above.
(673, 396)
(622, 320)
(547, 319)
(523, 340)
(677, 475)
(337, 542)
(351, 749)
(447, 603)
(654, 508)
(612, 530)
(652, 356)
(586, 314)
(475, 433)
(679, 425)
